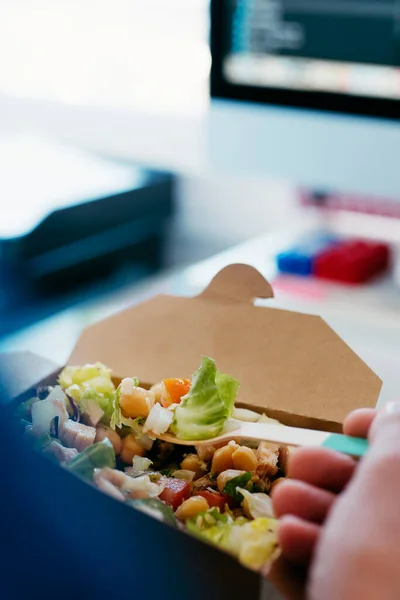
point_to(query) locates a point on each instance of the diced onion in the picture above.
(127, 386)
(159, 420)
(142, 487)
(44, 411)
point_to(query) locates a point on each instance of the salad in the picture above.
(107, 435)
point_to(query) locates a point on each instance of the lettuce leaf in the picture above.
(253, 542)
(204, 410)
(97, 456)
(156, 509)
(105, 402)
(90, 382)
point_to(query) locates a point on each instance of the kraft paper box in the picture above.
(291, 366)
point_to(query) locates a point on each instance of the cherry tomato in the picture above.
(176, 389)
(213, 499)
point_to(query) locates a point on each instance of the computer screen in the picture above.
(341, 55)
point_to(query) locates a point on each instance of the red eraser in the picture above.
(352, 261)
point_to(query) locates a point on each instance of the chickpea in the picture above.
(130, 448)
(244, 459)
(226, 476)
(191, 507)
(222, 459)
(136, 401)
(103, 432)
(192, 463)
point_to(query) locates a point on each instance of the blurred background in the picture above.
(144, 144)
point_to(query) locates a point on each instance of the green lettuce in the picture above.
(97, 456)
(90, 382)
(254, 543)
(211, 526)
(104, 401)
(156, 509)
(203, 412)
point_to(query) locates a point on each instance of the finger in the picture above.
(297, 539)
(359, 422)
(302, 500)
(322, 468)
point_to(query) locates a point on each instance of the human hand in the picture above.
(344, 517)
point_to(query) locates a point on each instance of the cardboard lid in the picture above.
(288, 363)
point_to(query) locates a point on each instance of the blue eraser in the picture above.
(299, 260)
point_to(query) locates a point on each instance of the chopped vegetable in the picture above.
(44, 411)
(211, 526)
(140, 465)
(176, 389)
(155, 508)
(95, 457)
(214, 499)
(231, 486)
(209, 403)
(175, 492)
(256, 505)
(88, 385)
(184, 474)
(218, 494)
(254, 542)
(142, 487)
(159, 420)
(80, 375)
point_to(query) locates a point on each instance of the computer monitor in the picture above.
(301, 91)
(340, 55)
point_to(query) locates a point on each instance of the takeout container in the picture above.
(291, 366)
